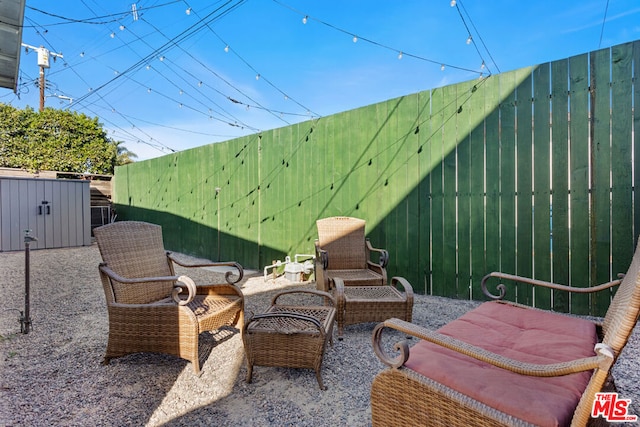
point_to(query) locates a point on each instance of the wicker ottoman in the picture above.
(361, 304)
(291, 335)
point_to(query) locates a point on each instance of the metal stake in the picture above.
(25, 319)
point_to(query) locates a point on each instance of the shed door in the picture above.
(56, 212)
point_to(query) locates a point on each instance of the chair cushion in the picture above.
(357, 277)
(523, 334)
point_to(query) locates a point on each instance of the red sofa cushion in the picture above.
(522, 334)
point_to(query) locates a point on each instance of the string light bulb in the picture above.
(469, 39)
(482, 66)
(355, 39)
(453, 3)
(257, 76)
(188, 11)
(121, 27)
(226, 48)
(112, 35)
(305, 19)
(442, 67)
(400, 55)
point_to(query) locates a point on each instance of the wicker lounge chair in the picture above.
(547, 372)
(343, 251)
(146, 310)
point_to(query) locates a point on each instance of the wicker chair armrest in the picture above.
(323, 257)
(603, 360)
(327, 296)
(181, 283)
(228, 276)
(502, 289)
(219, 289)
(403, 285)
(285, 315)
(384, 254)
(104, 268)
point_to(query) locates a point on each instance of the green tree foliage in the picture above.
(57, 140)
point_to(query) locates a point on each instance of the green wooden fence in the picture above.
(528, 172)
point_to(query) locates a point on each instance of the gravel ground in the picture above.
(53, 375)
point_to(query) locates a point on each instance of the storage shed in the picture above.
(57, 211)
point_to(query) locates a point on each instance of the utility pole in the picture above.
(43, 62)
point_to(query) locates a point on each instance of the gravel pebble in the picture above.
(54, 376)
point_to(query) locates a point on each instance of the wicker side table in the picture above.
(290, 336)
(361, 304)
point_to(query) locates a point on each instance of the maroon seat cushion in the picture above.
(522, 334)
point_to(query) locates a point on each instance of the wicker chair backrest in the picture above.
(134, 249)
(344, 240)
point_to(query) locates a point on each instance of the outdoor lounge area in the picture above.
(54, 375)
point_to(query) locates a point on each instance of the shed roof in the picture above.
(11, 19)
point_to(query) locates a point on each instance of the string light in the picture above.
(400, 55)
(257, 76)
(453, 3)
(121, 27)
(442, 67)
(162, 58)
(469, 39)
(112, 35)
(188, 11)
(226, 48)
(305, 19)
(355, 39)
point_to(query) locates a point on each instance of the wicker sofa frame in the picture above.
(145, 303)
(401, 396)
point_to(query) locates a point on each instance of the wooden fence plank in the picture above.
(507, 169)
(524, 186)
(449, 262)
(579, 179)
(465, 136)
(491, 262)
(424, 190)
(559, 180)
(601, 171)
(541, 183)
(636, 137)
(622, 238)
(437, 193)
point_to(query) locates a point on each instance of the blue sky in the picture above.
(190, 73)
